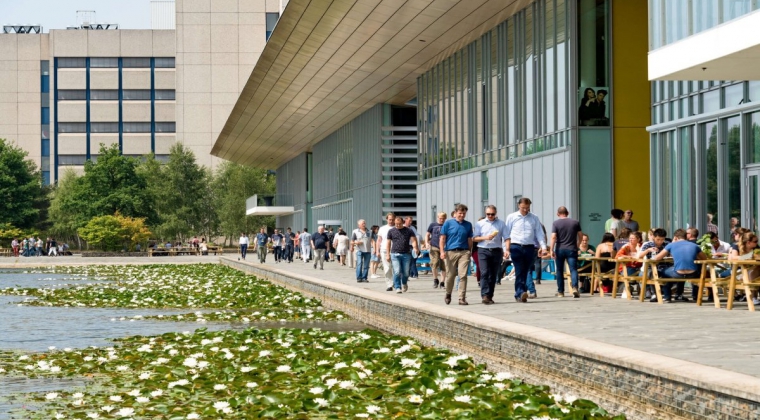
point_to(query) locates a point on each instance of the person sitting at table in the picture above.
(605, 250)
(684, 253)
(718, 248)
(204, 247)
(651, 248)
(622, 239)
(692, 234)
(585, 250)
(745, 250)
(631, 250)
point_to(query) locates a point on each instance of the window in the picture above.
(44, 83)
(137, 127)
(72, 127)
(135, 62)
(136, 94)
(45, 115)
(72, 95)
(45, 147)
(104, 62)
(166, 127)
(165, 95)
(271, 21)
(68, 160)
(68, 62)
(104, 127)
(104, 95)
(164, 62)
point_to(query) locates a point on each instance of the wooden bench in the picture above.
(6, 252)
(657, 282)
(624, 277)
(597, 276)
(217, 250)
(157, 252)
(711, 280)
(184, 251)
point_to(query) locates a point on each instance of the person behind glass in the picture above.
(586, 111)
(319, 243)
(433, 238)
(489, 236)
(745, 250)
(243, 242)
(734, 224)
(455, 245)
(684, 253)
(566, 235)
(400, 242)
(711, 227)
(261, 242)
(599, 107)
(522, 232)
(629, 222)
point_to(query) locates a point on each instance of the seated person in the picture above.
(631, 250)
(651, 248)
(204, 247)
(622, 239)
(168, 245)
(718, 248)
(745, 250)
(606, 250)
(692, 234)
(684, 253)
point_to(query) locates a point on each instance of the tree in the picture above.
(20, 187)
(112, 184)
(113, 233)
(67, 213)
(233, 185)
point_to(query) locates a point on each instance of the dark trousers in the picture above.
(289, 252)
(571, 257)
(489, 261)
(522, 258)
(671, 273)
(413, 268)
(243, 250)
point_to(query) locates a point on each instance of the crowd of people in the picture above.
(492, 245)
(36, 247)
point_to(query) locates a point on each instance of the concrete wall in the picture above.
(20, 56)
(218, 44)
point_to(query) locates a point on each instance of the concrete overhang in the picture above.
(328, 61)
(730, 51)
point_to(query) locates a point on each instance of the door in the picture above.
(751, 213)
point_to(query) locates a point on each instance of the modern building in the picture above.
(705, 123)
(65, 92)
(369, 106)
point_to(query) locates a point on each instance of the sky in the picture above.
(58, 14)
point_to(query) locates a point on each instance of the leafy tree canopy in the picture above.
(20, 187)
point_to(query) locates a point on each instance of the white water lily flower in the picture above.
(222, 406)
(541, 418)
(157, 393)
(316, 390)
(264, 353)
(55, 369)
(340, 365)
(220, 387)
(77, 396)
(134, 393)
(452, 361)
(122, 368)
(59, 416)
(251, 385)
(322, 362)
(190, 362)
(321, 402)
(193, 416)
(499, 385)
(331, 382)
(362, 415)
(415, 399)
(246, 369)
(283, 368)
(429, 391)
(403, 349)
(463, 398)
(502, 376)
(410, 372)
(346, 384)
(125, 412)
(93, 415)
(144, 375)
(449, 380)
(142, 399)
(51, 396)
(372, 409)
(107, 408)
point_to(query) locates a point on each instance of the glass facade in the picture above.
(705, 145)
(672, 20)
(504, 96)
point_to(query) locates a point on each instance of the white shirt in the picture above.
(723, 248)
(524, 230)
(485, 227)
(382, 233)
(243, 240)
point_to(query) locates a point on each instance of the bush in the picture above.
(113, 233)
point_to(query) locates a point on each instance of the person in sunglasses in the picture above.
(489, 235)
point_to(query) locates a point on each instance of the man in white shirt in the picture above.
(523, 231)
(243, 242)
(305, 239)
(382, 252)
(719, 248)
(361, 239)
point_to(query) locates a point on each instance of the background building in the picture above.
(705, 123)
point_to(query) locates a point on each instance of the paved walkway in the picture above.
(705, 335)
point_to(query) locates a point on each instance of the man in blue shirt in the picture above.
(489, 234)
(261, 243)
(455, 245)
(684, 254)
(523, 231)
(320, 242)
(289, 240)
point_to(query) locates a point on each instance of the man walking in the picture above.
(289, 240)
(305, 239)
(489, 235)
(361, 241)
(319, 242)
(566, 234)
(408, 224)
(382, 251)
(433, 238)
(456, 245)
(243, 242)
(276, 246)
(261, 243)
(522, 232)
(400, 241)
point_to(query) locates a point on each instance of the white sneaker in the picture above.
(374, 276)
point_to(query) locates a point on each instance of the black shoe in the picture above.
(390, 289)
(668, 300)
(447, 299)
(436, 283)
(498, 282)
(321, 268)
(681, 298)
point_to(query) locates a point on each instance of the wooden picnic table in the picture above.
(745, 266)
(621, 274)
(597, 276)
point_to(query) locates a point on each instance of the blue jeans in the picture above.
(401, 264)
(671, 273)
(571, 257)
(413, 268)
(243, 249)
(288, 252)
(362, 264)
(522, 259)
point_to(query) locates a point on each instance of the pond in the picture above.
(70, 362)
